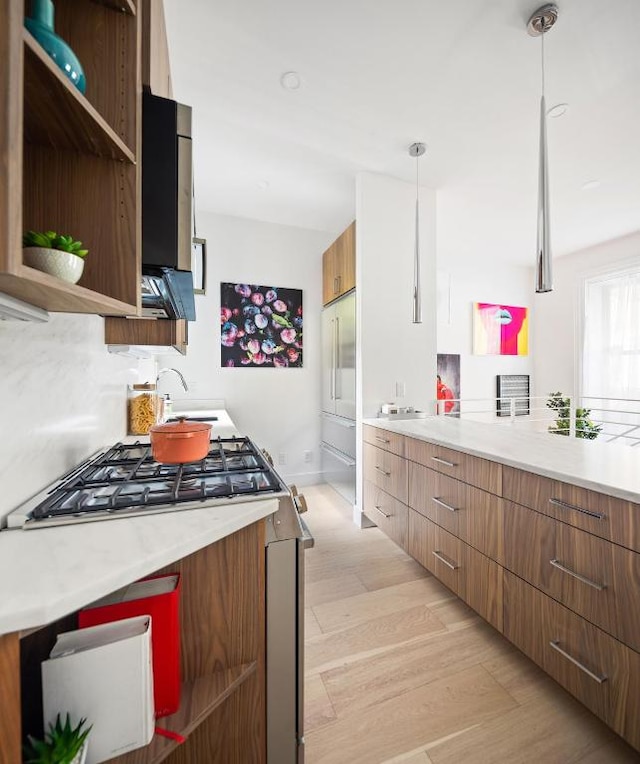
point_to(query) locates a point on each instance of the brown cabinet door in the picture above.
(388, 441)
(329, 280)
(604, 516)
(482, 589)
(389, 514)
(470, 469)
(387, 471)
(598, 670)
(346, 260)
(448, 554)
(421, 540)
(593, 577)
(473, 515)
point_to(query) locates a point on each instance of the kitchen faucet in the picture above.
(175, 371)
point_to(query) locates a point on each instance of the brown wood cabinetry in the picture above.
(339, 266)
(68, 161)
(555, 567)
(222, 712)
(149, 332)
(389, 514)
(387, 441)
(601, 672)
(386, 470)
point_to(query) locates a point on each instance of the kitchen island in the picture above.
(47, 574)
(538, 533)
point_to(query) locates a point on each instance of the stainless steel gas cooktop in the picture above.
(125, 480)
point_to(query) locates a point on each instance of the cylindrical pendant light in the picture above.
(538, 25)
(417, 150)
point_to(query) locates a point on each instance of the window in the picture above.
(611, 351)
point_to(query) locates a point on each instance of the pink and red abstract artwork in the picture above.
(500, 329)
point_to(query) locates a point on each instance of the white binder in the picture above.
(103, 673)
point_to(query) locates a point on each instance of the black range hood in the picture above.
(167, 188)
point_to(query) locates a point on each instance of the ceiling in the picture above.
(462, 75)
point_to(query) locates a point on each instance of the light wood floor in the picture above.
(397, 669)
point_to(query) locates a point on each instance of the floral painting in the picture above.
(500, 329)
(260, 326)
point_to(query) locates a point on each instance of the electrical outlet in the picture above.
(282, 458)
(401, 389)
(308, 456)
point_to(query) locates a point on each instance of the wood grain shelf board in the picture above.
(200, 697)
(50, 293)
(57, 114)
(126, 6)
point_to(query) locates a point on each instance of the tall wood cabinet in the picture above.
(339, 266)
(552, 566)
(68, 161)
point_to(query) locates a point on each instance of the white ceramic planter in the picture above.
(63, 265)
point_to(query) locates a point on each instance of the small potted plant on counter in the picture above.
(52, 253)
(62, 744)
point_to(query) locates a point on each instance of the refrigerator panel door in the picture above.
(345, 357)
(339, 470)
(339, 433)
(328, 330)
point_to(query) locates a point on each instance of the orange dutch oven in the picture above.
(180, 442)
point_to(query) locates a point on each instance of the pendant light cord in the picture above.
(542, 67)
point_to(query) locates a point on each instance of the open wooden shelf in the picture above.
(200, 698)
(53, 294)
(126, 6)
(57, 114)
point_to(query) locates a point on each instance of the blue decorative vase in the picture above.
(41, 27)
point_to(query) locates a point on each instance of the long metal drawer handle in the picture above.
(377, 508)
(382, 440)
(584, 579)
(441, 503)
(443, 461)
(565, 505)
(555, 644)
(386, 474)
(449, 563)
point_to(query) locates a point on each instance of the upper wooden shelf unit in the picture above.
(68, 161)
(56, 113)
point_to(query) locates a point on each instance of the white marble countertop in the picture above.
(605, 467)
(47, 573)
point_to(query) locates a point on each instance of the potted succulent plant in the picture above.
(53, 253)
(62, 744)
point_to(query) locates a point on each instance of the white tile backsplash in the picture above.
(62, 397)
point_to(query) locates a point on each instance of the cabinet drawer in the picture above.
(386, 470)
(421, 539)
(389, 514)
(593, 577)
(388, 441)
(597, 669)
(471, 469)
(473, 515)
(604, 516)
(482, 588)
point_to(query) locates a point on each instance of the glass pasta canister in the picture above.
(144, 408)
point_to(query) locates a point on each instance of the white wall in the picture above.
(278, 408)
(459, 286)
(391, 349)
(557, 315)
(62, 397)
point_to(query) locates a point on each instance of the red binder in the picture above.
(157, 596)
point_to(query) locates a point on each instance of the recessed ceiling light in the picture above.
(590, 185)
(559, 110)
(291, 81)
(263, 185)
